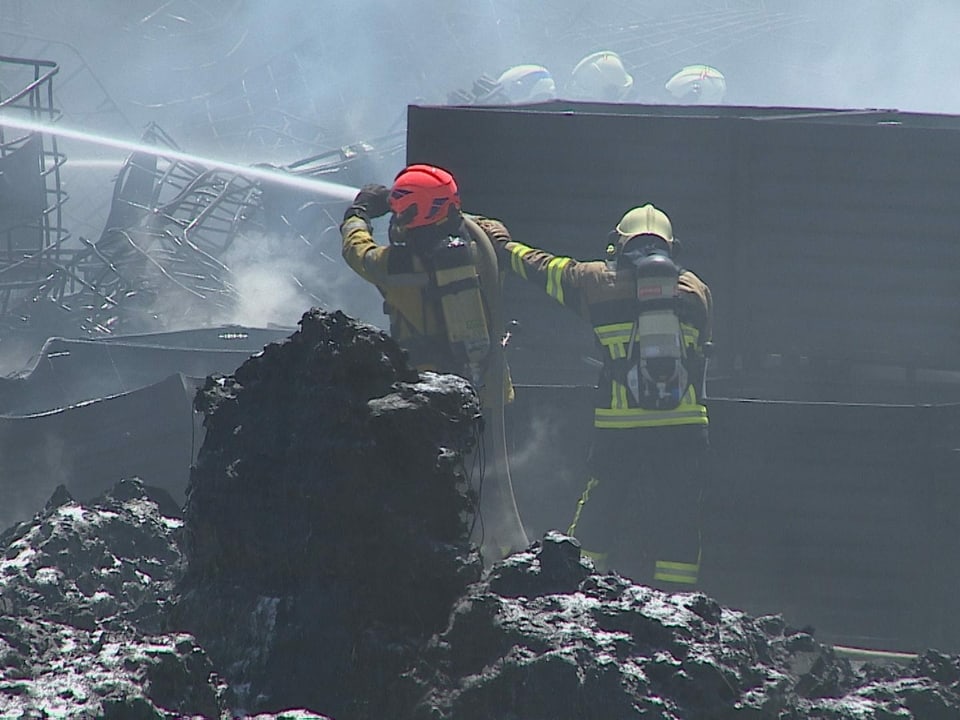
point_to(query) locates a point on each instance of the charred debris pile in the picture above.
(322, 568)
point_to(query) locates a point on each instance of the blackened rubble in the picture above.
(83, 589)
(322, 563)
(327, 519)
(544, 636)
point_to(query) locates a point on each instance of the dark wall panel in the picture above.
(830, 241)
(838, 516)
(824, 235)
(148, 433)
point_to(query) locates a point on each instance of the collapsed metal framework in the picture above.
(32, 236)
(161, 261)
(170, 223)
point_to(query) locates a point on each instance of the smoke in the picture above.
(904, 59)
(276, 81)
(546, 491)
(855, 54)
(269, 295)
(266, 282)
(349, 70)
(276, 280)
(29, 478)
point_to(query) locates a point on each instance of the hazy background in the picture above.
(280, 80)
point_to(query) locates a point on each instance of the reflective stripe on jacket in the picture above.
(615, 341)
(403, 281)
(607, 299)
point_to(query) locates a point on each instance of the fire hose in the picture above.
(503, 528)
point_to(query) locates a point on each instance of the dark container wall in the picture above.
(829, 239)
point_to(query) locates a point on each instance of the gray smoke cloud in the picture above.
(353, 68)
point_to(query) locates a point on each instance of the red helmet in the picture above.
(423, 195)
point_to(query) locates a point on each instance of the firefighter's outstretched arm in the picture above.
(558, 276)
(361, 253)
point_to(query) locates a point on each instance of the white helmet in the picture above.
(645, 220)
(600, 76)
(698, 85)
(527, 84)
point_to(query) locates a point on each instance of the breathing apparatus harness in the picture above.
(450, 260)
(656, 369)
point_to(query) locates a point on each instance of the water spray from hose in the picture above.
(274, 175)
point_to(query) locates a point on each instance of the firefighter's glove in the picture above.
(495, 230)
(371, 202)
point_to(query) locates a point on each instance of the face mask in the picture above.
(642, 246)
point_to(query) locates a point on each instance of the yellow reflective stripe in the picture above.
(618, 397)
(638, 417)
(618, 415)
(517, 253)
(613, 419)
(691, 335)
(554, 274)
(676, 572)
(615, 338)
(613, 332)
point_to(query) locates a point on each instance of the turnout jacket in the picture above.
(606, 298)
(403, 279)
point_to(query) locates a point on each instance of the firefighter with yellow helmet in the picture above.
(600, 77)
(440, 283)
(639, 512)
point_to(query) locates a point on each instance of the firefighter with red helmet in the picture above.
(651, 319)
(431, 274)
(441, 289)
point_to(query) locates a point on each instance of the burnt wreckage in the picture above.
(161, 259)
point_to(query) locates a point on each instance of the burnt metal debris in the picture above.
(170, 223)
(160, 261)
(32, 236)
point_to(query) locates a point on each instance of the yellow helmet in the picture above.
(527, 84)
(600, 76)
(645, 220)
(698, 85)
